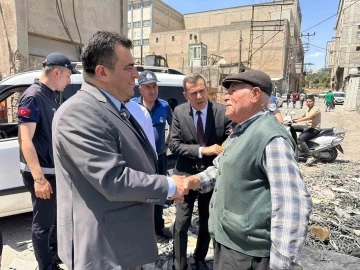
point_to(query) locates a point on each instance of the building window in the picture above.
(190, 36)
(129, 25)
(358, 26)
(137, 5)
(358, 48)
(145, 42)
(358, 34)
(147, 4)
(136, 42)
(129, 6)
(157, 40)
(173, 38)
(136, 24)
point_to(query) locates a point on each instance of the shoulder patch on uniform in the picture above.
(272, 107)
(23, 112)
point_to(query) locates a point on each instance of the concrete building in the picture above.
(267, 35)
(146, 17)
(31, 29)
(329, 58)
(347, 42)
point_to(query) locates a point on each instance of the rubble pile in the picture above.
(335, 218)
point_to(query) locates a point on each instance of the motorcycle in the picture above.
(324, 146)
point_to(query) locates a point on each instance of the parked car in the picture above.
(339, 97)
(322, 94)
(279, 100)
(14, 198)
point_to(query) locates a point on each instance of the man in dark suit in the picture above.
(199, 128)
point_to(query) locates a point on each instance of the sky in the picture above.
(313, 12)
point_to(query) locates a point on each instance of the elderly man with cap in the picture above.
(260, 207)
(160, 113)
(36, 110)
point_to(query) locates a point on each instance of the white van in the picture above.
(14, 198)
(339, 97)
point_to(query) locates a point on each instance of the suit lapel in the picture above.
(109, 105)
(210, 120)
(190, 120)
(137, 129)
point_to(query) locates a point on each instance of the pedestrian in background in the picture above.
(288, 99)
(260, 208)
(198, 131)
(161, 114)
(294, 99)
(36, 110)
(302, 99)
(329, 101)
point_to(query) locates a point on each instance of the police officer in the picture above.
(273, 109)
(36, 110)
(160, 113)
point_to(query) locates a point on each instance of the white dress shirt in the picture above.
(203, 118)
(142, 116)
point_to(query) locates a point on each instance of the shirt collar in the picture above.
(245, 124)
(203, 111)
(139, 100)
(116, 102)
(46, 89)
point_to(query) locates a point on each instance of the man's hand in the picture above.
(215, 149)
(43, 189)
(180, 191)
(191, 182)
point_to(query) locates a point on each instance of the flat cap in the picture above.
(256, 78)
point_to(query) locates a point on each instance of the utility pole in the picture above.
(307, 44)
(240, 45)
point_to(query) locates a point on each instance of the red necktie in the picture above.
(200, 129)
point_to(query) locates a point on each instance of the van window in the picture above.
(339, 94)
(8, 112)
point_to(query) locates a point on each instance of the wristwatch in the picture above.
(39, 179)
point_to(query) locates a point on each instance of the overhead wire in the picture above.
(330, 17)
(76, 24)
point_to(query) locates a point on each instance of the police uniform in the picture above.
(38, 104)
(160, 114)
(272, 107)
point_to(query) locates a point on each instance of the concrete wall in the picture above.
(159, 16)
(347, 30)
(166, 18)
(23, 21)
(329, 58)
(352, 91)
(224, 41)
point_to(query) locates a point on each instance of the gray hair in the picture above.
(193, 78)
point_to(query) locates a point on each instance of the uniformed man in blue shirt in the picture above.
(36, 110)
(160, 113)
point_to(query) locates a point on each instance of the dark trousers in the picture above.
(228, 259)
(182, 224)
(306, 135)
(158, 211)
(44, 223)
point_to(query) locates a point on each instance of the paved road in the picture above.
(16, 229)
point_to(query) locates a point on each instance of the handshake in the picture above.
(183, 185)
